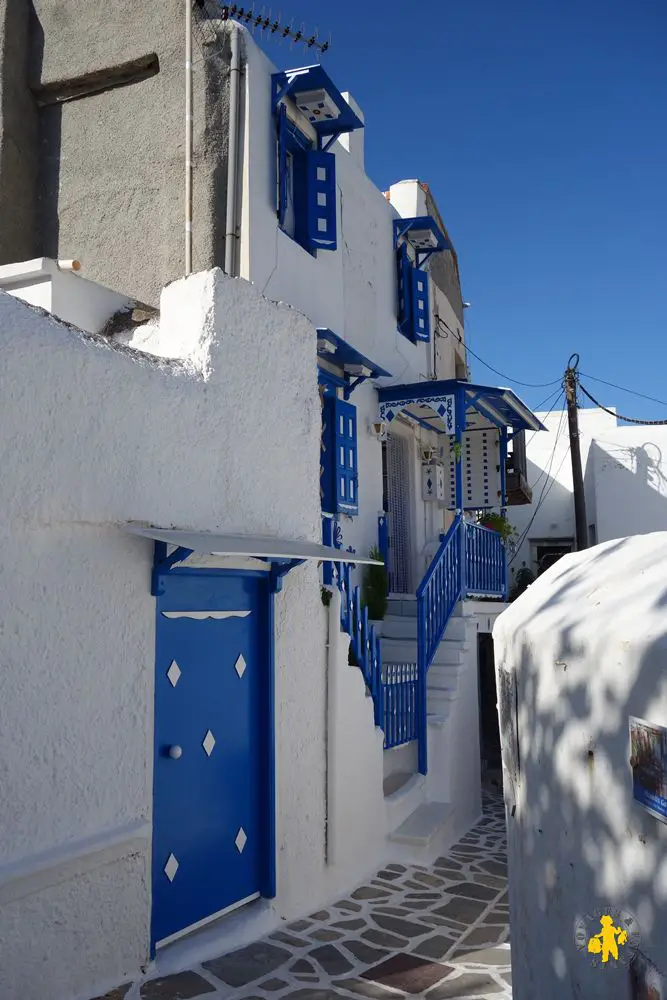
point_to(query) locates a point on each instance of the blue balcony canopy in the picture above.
(439, 404)
(316, 97)
(424, 236)
(354, 364)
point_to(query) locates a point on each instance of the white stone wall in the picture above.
(584, 649)
(625, 480)
(351, 291)
(550, 476)
(225, 439)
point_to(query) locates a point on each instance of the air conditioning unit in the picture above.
(433, 481)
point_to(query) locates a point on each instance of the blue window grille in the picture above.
(414, 312)
(338, 466)
(306, 189)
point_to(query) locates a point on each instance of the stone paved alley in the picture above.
(439, 932)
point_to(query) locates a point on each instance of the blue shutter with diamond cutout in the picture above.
(321, 184)
(403, 268)
(345, 464)
(421, 325)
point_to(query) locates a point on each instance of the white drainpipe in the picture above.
(232, 164)
(337, 645)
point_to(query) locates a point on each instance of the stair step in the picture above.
(423, 824)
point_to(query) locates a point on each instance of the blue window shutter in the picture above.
(321, 184)
(345, 440)
(403, 268)
(328, 453)
(282, 166)
(421, 313)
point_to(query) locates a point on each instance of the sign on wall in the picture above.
(648, 759)
(480, 462)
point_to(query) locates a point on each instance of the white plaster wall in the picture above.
(586, 645)
(352, 291)
(94, 436)
(550, 470)
(627, 467)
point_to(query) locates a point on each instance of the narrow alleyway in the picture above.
(438, 932)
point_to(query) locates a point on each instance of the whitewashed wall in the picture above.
(627, 477)
(351, 291)
(585, 649)
(625, 480)
(93, 436)
(550, 470)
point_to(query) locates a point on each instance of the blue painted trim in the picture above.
(268, 880)
(346, 354)
(279, 570)
(162, 563)
(512, 411)
(329, 380)
(295, 81)
(383, 537)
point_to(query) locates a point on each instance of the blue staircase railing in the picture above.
(400, 689)
(365, 644)
(485, 569)
(469, 562)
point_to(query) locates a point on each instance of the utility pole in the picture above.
(581, 527)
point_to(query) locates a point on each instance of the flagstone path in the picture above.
(439, 932)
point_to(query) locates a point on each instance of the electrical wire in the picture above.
(632, 392)
(543, 496)
(515, 381)
(629, 420)
(559, 395)
(545, 489)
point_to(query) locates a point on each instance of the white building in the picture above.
(162, 474)
(579, 656)
(625, 485)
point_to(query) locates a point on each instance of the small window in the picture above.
(338, 466)
(306, 189)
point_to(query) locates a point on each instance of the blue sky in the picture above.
(541, 128)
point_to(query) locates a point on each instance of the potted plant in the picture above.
(498, 523)
(375, 588)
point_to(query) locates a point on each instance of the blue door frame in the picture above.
(189, 589)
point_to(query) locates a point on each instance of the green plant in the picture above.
(522, 582)
(457, 451)
(375, 588)
(499, 523)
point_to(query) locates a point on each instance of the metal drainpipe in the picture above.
(232, 163)
(334, 652)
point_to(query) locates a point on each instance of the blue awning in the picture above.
(339, 352)
(317, 97)
(434, 404)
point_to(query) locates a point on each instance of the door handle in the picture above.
(175, 752)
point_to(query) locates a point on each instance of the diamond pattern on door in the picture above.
(171, 868)
(211, 849)
(174, 673)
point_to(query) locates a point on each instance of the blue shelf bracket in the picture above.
(162, 563)
(279, 570)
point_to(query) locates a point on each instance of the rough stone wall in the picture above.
(18, 137)
(112, 163)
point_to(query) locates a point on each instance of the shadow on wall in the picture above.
(581, 844)
(555, 504)
(630, 489)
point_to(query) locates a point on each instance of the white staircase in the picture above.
(420, 818)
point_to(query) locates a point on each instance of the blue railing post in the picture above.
(383, 538)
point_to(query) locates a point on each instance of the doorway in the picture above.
(489, 727)
(396, 481)
(211, 810)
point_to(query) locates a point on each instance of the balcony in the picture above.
(518, 491)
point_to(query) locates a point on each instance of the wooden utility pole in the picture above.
(581, 527)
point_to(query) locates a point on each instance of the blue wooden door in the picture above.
(209, 821)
